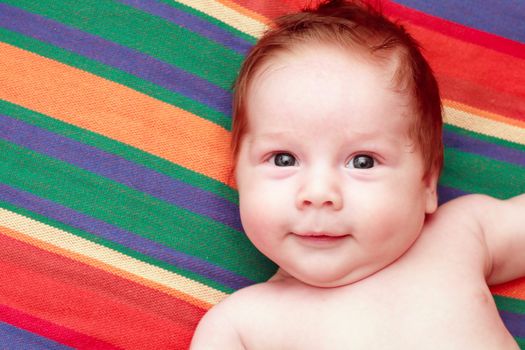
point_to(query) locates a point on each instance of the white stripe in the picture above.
(483, 125)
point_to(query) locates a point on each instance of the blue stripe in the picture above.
(125, 238)
(117, 56)
(14, 338)
(469, 144)
(121, 170)
(505, 18)
(193, 23)
(515, 323)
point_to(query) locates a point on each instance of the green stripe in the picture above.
(521, 342)
(121, 24)
(116, 75)
(477, 174)
(131, 210)
(510, 304)
(249, 38)
(115, 246)
(485, 138)
(120, 149)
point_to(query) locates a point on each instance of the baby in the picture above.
(337, 144)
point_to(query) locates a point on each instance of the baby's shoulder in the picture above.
(468, 204)
(223, 325)
(243, 303)
(458, 226)
(464, 212)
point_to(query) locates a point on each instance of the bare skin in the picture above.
(434, 297)
(367, 260)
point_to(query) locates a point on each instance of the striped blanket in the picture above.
(119, 226)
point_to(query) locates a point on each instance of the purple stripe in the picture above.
(121, 170)
(472, 145)
(193, 23)
(115, 55)
(515, 323)
(125, 238)
(446, 194)
(17, 338)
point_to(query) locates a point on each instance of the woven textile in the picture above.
(119, 225)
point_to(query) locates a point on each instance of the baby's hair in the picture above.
(361, 28)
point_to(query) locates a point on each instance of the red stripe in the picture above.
(513, 289)
(272, 9)
(452, 29)
(51, 331)
(455, 30)
(90, 301)
(482, 97)
(472, 63)
(475, 61)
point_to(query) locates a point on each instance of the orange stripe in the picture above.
(104, 267)
(116, 111)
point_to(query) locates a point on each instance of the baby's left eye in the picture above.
(362, 161)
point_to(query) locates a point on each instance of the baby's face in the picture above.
(331, 186)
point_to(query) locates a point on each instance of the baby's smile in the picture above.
(320, 239)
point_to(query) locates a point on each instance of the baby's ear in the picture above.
(431, 192)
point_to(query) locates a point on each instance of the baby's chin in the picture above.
(321, 280)
(333, 283)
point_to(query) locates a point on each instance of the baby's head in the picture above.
(360, 29)
(337, 143)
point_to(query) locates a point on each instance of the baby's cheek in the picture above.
(251, 209)
(260, 214)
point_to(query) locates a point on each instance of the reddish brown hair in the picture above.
(359, 27)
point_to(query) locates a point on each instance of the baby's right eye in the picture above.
(283, 159)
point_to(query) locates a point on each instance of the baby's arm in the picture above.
(215, 331)
(503, 225)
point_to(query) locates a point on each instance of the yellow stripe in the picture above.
(483, 125)
(229, 16)
(52, 239)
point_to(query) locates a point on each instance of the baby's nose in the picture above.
(320, 192)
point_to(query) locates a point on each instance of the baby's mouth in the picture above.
(320, 236)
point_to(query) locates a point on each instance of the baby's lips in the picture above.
(319, 234)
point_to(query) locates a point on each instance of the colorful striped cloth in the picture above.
(118, 221)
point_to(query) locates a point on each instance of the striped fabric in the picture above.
(118, 218)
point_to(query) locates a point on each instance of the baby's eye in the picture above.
(284, 159)
(362, 161)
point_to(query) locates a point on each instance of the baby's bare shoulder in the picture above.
(464, 215)
(222, 326)
(494, 225)
(475, 213)
(499, 223)
(243, 303)
(467, 205)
